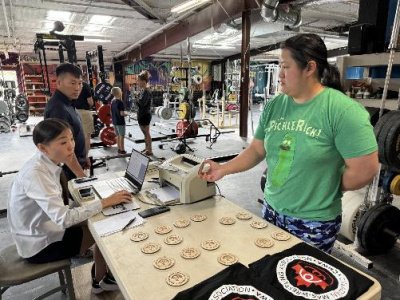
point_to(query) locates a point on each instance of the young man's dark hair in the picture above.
(68, 68)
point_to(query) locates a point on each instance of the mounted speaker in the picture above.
(375, 12)
(361, 39)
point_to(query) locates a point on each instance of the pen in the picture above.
(129, 223)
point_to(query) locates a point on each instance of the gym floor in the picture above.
(243, 189)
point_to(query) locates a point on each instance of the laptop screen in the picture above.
(137, 167)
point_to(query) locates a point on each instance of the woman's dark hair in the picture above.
(49, 129)
(144, 75)
(307, 47)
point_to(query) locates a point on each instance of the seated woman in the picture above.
(43, 228)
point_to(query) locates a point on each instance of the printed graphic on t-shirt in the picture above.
(299, 125)
(281, 171)
(238, 292)
(308, 277)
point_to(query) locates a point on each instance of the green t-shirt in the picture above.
(306, 145)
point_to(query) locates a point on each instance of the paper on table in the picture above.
(165, 194)
(116, 223)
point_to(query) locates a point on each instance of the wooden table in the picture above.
(139, 279)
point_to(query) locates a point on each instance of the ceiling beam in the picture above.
(142, 8)
(253, 52)
(218, 12)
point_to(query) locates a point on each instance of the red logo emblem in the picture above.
(309, 274)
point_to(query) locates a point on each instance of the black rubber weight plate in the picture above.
(374, 114)
(382, 121)
(371, 232)
(392, 144)
(382, 129)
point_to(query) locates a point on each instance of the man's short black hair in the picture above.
(68, 68)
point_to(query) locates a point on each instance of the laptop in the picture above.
(132, 181)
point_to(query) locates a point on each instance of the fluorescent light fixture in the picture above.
(58, 15)
(213, 46)
(93, 28)
(101, 19)
(188, 5)
(95, 41)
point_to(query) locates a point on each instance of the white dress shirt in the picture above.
(36, 211)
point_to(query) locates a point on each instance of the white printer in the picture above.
(182, 172)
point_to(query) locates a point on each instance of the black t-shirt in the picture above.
(234, 282)
(81, 102)
(144, 103)
(59, 106)
(304, 272)
(116, 107)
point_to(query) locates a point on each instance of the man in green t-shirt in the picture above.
(317, 143)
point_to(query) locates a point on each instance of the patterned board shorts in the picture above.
(320, 234)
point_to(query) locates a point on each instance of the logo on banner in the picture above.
(308, 277)
(238, 292)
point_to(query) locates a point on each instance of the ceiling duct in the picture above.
(271, 13)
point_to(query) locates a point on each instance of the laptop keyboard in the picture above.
(118, 184)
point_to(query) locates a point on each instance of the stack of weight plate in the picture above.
(387, 132)
(21, 108)
(5, 123)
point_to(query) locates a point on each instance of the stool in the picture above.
(14, 270)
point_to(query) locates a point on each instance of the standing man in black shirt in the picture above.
(69, 86)
(83, 104)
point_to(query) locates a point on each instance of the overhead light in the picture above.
(95, 41)
(213, 46)
(188, 5)
(58, 15)
(101, 19)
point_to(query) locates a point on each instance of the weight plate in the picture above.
(22, 116)
(104, 114)
(374, 114)
(108, 136)
(4, 127)
(5, 119)
(392, 143)
(102, 92)
(21, 103)
(378, 126)
(395, 186)
(384, 127)
(371, 231)
(157, 111)
(165, 113)
(3, 108)
(183, 111)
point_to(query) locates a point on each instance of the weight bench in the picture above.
(14, 270)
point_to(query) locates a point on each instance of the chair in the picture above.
(14, 271)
